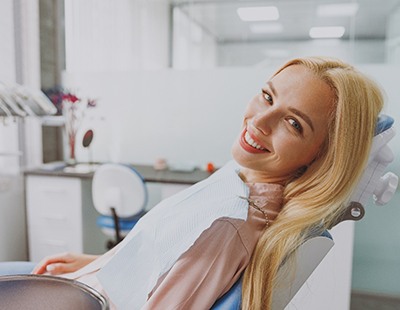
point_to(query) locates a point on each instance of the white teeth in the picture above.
(251, 142)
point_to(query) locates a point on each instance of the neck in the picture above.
(251, 176)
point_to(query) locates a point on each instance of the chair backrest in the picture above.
(313, 250)
(290, 279)
(121, 187)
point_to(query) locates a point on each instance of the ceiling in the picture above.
(219, 18)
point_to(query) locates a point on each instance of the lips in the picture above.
(250, 145)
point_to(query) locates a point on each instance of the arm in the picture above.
(204, 273)
(63, 263)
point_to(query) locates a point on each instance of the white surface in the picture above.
(294, 274)
(54, 216)
(61, 217)
(119, 187)
(381, 156)
(128, 36)
(329, 285)
(7, 42)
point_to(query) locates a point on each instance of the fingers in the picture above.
(45, 265)
(60, 268)
(63, 263)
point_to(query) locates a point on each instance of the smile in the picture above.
(251, 142)
(248, 143)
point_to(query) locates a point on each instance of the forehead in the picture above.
(299, 86)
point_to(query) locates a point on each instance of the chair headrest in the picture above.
(374, 183)
(384, 123)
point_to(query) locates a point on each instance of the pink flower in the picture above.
(70, 97)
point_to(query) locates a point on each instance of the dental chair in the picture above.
(120, 196)
(374, 183)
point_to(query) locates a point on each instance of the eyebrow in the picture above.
(303, 116)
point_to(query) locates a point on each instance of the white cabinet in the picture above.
(61, 217)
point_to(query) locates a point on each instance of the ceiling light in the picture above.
(258, 13)
(340, 9)
(326, 32)
(266, 28)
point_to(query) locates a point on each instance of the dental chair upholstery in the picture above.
(374, 183)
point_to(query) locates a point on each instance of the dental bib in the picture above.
(169, 230)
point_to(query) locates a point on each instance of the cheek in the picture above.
(296, 153)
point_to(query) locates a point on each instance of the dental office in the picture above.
(160, 87)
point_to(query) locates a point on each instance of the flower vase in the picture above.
(74, 111)
(71, 143)
(72, 123)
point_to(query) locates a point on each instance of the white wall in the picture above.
(7, 43)
(179, 115)
(104, 36)
(393, 36)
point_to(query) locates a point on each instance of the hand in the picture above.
(63, 263)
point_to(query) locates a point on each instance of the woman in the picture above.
(315, 199)
(296, 171)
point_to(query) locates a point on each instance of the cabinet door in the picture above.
(54, 214)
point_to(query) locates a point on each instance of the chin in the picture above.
(241, 160)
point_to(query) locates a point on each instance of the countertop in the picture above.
(86, 171)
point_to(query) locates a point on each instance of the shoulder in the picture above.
(234, 232)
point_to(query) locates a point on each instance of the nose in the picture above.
(265, 121)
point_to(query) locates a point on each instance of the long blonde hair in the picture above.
(318, 197)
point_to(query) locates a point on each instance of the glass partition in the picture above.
(242, 33)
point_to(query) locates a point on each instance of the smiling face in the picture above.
(284, 126)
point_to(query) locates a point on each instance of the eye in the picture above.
(267, 96)
(296, 125)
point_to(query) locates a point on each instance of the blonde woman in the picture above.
(293, 173)
(316, 198)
